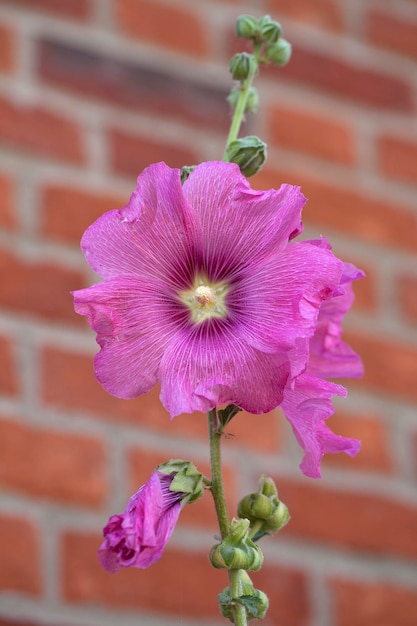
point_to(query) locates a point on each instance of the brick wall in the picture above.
(91, 91)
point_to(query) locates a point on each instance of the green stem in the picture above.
(217, 490)
(217, 487)
(239, 611)
(239, 111)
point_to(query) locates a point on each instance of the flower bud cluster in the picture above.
(266, 513)
(267, 32)
(255, 601)
(237, 550)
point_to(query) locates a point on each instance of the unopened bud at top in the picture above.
(271, 31)
(247, 27)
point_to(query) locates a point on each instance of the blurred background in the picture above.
(92, 91)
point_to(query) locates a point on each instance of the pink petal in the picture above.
(330, 356)
(208, 365)
(155, 234)
(239, 223)
(306, 406)
(277, 302)
(135, 320)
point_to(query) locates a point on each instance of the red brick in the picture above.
(7, 49)
(202, 513)
(7, 214)
(66, 212)
(38, 131)
(79, 9)
(8, 370)
(166, 93)
(166, 25)
(180, 583)
(392, 32)
(130, 154)
(375, 454)
(398, 158)
(346, 519)
(68, 468)
(314, 134)
(373, 604)
(347, 80)
(390, 366)
(346, 210)
(38, 288)
(321, 13)
(20, 556)
(407, 296)
(13, 622)
(69, 383)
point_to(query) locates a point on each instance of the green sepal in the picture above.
(186, 170)
(187, 479)
(255, 601)
(227, 414)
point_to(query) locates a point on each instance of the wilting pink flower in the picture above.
(137, 537)
(205, 291)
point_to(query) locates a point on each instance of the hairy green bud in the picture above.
(249, 153)
(237, 550)
(247, 27)
(242, 65)
(264, 509)
(271, 31)
(279, 53)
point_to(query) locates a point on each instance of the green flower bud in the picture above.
(255, 601)
(247, 27)
(271, 31)
(249, 153)
(264, 510)
(267, 486)
(187, 479)
(242, 65)
(278, 519)
(252, 101)
(279, 53)
(237, 550)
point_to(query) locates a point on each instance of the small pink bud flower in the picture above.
(137, 537)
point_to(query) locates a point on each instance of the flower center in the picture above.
(205, 300)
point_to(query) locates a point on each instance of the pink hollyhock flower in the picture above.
(206, 292)
(137, 537)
